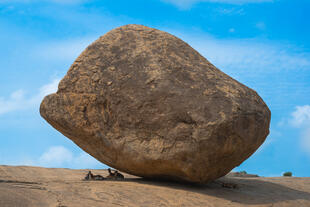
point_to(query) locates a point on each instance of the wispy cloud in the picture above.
(305, 140)
(59, 156)
(255, 54)
(11, 103)
(261, 25)
(56, 156)
(19, 101)
(50, 1)
(272, 137)
(232, 30)
(66, 50)
(226, 53)
(185, 4)
(300, 118)
(51, 51)
(230, 11)
(49, 88)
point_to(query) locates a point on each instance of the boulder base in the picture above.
(144, 102)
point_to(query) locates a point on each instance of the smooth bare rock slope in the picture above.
(42, 187)
(144, 102)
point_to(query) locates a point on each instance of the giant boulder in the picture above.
(145, 102)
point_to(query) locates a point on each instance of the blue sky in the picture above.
(264, 44)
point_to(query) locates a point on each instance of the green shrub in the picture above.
(288, 174)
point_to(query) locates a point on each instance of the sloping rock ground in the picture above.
(39, 187)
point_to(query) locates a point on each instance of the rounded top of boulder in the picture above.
(145, 102)
(141, 54)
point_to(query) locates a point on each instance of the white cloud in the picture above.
(67, 50)
(12, 103)
(51, 51)
(49, 88)
(21, 162)
(51, 1)
(260, 25)
(272, 137)
(67, 1)
(19, 101)
(247, 54)
(300, 118)
(185, 4)
(59, 156)
(56, 156)
(232, 30)
(305, 140)
(227, 54)
(84, 160)
(231, 11)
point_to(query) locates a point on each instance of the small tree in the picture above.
(288, 174)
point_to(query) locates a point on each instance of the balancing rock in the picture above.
(144, 102)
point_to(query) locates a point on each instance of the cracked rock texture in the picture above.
(145, 102)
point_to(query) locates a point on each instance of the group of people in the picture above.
(113, 175)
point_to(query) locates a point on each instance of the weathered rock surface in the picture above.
(144, 102)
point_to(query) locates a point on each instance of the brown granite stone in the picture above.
(144, 102)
